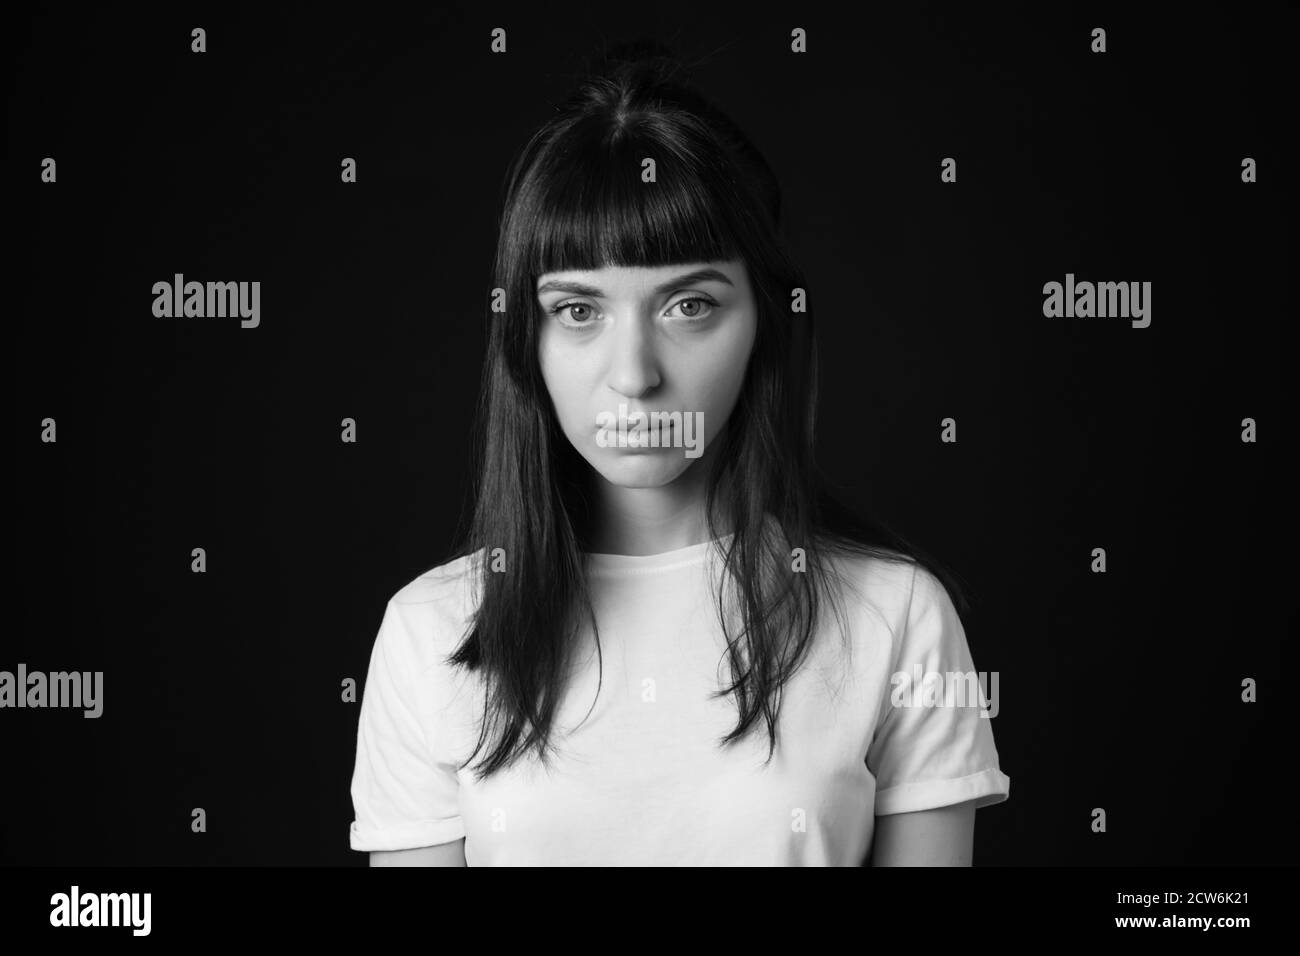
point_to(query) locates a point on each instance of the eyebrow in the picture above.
(580, 288)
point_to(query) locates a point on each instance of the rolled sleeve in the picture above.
(925, 757)
(402, 796)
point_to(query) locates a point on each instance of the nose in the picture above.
(633, 365)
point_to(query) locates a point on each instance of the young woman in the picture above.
(662, 642)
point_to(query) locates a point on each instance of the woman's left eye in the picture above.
(708, 305)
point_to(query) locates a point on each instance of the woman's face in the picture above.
(621, 343)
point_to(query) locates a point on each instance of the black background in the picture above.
(222, 690)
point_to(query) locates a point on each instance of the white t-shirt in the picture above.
(642, 780)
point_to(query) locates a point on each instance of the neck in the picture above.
(643, 521)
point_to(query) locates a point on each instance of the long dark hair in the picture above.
(574, 199)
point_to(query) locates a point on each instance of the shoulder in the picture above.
(890, 578)
(441, 582)
(426, 618)
(897, 595)
(883, 582)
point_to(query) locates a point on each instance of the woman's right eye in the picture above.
(562, 310)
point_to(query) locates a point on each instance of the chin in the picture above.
(640, 471)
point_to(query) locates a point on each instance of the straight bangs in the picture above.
(587, 207)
